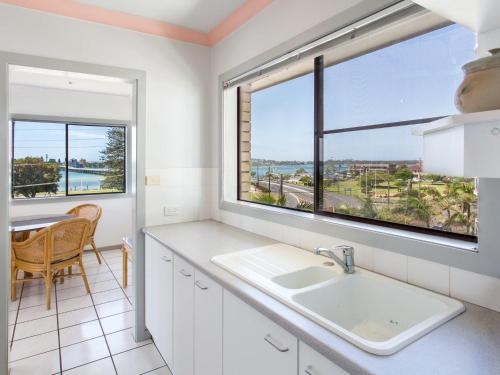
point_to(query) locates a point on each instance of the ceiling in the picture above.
(199, 15)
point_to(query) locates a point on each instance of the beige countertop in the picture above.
(468, 344)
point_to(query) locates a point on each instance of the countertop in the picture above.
(469, 344)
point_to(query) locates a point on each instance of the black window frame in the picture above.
(320, 132)
(67, 124)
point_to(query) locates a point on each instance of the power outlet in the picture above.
(170, 211)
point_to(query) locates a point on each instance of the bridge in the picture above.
(99, 171)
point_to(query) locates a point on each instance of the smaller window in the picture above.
(51, 159)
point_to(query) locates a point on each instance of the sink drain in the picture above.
(394, 322)
(329, 264)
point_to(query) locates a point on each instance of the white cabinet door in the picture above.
(159, 296)
(253, 344)
(183, 317)
(313, 363)
(207, 326)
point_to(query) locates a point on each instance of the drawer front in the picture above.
(313, 363)
(183, 317)
(207, 326)
(253, 344)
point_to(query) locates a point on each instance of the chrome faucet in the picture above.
(347, 264)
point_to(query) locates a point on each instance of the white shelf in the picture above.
(465, 145)
(478, 15)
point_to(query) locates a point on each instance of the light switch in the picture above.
(152, 180)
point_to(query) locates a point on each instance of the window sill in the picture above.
(72, 198)
(311, 221)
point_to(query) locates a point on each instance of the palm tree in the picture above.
(416, 206)
(467, 199)
(447, 201)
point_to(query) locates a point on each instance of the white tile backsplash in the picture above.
(429, 275)
(391, 264)
(475, 288)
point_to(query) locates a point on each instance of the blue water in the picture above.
(291, 168)
(80, 181)
(282, 169)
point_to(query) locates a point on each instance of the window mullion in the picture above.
(66, 161)
(318, 131)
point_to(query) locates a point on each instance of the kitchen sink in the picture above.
(305, 277)
(376, 313)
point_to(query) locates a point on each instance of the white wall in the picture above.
(32, 100)
(177, 113)
(276, 24)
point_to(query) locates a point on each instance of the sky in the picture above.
(409, 80)
(41, 138)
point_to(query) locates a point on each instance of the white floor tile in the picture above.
(33, 290)
(160, 371)
(84, 352)
(124, 340)
(94, 269)
(68, 293)
(118, 322)
(70, 282)
(35, 327)
(10, 332)
(77, 316)
(37, 312)
(100, 367)
(103, 276)
(108, 296)
(79, 333)
(104, 286)
(74, 303)
(138, 361)
(33, 345)
(46, 363)
(111, 308)
(12, 317)
(35, 300)
(14, 305)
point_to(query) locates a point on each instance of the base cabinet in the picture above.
(183, 317)
(313, 363)
(159, 296)
(207, 326)
(202, 329)
(253, 344)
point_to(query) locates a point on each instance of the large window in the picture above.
(337, 139)
(52, 159)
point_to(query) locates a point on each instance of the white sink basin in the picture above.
(305, 277)
(375, 313)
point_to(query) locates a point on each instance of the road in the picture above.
(295, 194)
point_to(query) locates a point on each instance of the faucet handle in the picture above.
(346, 249)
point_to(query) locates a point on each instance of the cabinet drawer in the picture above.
(183, 317)
(253, 344)
(313, 363)
(207, 326)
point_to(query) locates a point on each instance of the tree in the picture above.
(113, 157)
(368, 210)
(300, 171)
(405, 176)
(306, 180)
(32, 175)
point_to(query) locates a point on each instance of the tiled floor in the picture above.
(81, 333)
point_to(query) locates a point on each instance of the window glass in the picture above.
(366, 174)
(58, 159)
(278, 162)
(414, 79)
(38, 168)
(96, 159)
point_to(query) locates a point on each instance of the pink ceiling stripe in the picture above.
(241, 15)
(92, 13)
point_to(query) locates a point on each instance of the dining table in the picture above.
(25, 224)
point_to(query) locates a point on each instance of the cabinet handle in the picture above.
(166, 258)
(275, 344)
(309, 370)
(183, 272)
(200, 285)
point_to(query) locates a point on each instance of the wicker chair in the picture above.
(93, 213)
(49, 252)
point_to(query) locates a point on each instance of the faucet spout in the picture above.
(348, 251)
